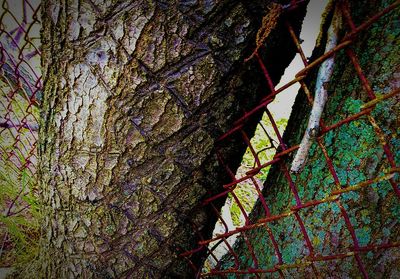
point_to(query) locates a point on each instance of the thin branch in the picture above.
(321, 95)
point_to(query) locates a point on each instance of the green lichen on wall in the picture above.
(357, 155)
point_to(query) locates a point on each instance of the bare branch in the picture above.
(321, 95)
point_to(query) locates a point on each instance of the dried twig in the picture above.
(321, 95)
(269, 22)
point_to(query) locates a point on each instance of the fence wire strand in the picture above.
(310, 258)
(21, 87)
(20, 90)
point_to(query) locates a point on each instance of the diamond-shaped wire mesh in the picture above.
(258, 234)
(20, 83)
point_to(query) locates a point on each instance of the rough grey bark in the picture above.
(135, 95)
(357, 155)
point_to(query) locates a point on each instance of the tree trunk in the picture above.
(357, 155)
(135, 95)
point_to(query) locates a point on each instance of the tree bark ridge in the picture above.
(135, 95)
(357, 155)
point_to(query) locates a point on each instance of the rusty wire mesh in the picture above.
(355, 249)
(20, 85)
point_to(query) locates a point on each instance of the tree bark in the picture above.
(357, 155)
(135, 95)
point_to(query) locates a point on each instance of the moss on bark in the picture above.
(357, 155)
(135, 95)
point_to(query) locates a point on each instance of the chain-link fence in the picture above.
(272, 251)
(20, 85)
(20, 95)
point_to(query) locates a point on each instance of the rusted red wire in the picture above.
(20, 86)
(18, 122)
(335, 196)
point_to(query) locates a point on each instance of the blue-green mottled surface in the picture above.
(357, 155)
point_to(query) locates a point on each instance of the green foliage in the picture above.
(19, 220)
(247, 197)
(19, 229)
(264, 143)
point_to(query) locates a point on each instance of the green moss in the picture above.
(353, 106)
(363, 235)
(356, 154)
